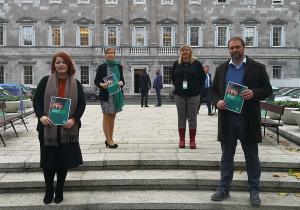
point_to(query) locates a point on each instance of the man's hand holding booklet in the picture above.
(233, 97)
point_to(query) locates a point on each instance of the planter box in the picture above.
(273, 115)
(13, 106)
(288, 116)
(297, 117)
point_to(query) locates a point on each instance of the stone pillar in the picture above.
(153, 39)
(125, 27)
(180, 28)
(98, 32)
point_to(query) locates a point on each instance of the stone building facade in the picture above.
(146, 34)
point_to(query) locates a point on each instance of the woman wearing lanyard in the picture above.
(188, 78)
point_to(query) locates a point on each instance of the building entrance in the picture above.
(137, 73)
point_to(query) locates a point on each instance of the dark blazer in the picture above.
(256, 79)
(101, 73)
(144, 82)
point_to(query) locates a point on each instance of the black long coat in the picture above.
(256, 79)
(65, 155)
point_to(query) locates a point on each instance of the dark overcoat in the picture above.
(256, 79)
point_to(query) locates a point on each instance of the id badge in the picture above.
(184, 85)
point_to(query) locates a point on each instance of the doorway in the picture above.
(137, 73)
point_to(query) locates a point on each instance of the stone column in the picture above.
(98, 32)
(152, 31)
(125, 26)
(180, 27)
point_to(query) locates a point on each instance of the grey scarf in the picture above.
(50, 132)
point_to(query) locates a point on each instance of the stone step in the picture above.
(151, 160)
(146, 179)
(147, 199)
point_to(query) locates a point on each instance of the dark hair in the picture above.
(67, 59)
(236, 38)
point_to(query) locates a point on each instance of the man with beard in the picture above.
(244, 126)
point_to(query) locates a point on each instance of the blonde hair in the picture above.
(110, 49)
(192, 58)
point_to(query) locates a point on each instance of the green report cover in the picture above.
(113, 84)
(59, 110)
(233, 99)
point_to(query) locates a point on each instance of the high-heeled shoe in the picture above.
(114, 146)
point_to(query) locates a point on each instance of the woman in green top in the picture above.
(110, 103)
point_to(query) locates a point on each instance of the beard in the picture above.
(236, 56)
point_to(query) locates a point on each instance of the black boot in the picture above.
(49, 176)
(59, 190)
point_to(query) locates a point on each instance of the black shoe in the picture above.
(220, 195)
(146, 106)
(48, 198)
(114, 146)
(157, 105)
(210, 114)
(58, 199)
(254, 198)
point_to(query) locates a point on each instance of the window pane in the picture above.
(28, 75)
(222, 33)
(167, 74)
(84, 36)
(139, 36)
(277, 72)
(194, 38)
(1, 35)
(56, 35)
(27, 32)
(112, 36)
(1, 74)
(167, 36)
(84, 75)
(277, 36)
(249, 36)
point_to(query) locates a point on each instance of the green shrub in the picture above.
(289, 104)
(13, 98)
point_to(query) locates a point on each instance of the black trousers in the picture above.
(235, 129)
(144, 97)
(49, 179)
(205, 96)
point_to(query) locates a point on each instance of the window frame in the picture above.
(217, 35)
(200, 35)
(83, 2)
(50, 37)
(55, 2)
(279, 68)
(173, 38)
(111, 1)
(195, 2)
(249, 2)
(255, 37)
(21, 33)
(139, 3)
(78, 35)
(134, 38)
(27, 1)
(167, 2)
(163, 75)
(117, 35)
(4, 40)
(2, 71)
(89, 75)
(277, 3)
(226, 1)
(282, 36)
(23, 75)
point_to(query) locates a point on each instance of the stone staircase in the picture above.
(147, 184)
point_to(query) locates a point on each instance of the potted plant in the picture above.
(288, 116)
(13, 103)
(296, 114)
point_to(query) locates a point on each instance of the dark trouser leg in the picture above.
(49, 177)
(146, 98)
(61, 177)
(252, 165)
(142, 98)
(208, 102)
(158, 97)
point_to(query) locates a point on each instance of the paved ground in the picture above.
(143, 133)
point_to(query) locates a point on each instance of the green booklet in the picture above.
(59, 110)
(233, 99)
(113, 84)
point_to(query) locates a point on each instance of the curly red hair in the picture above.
(67, 59)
